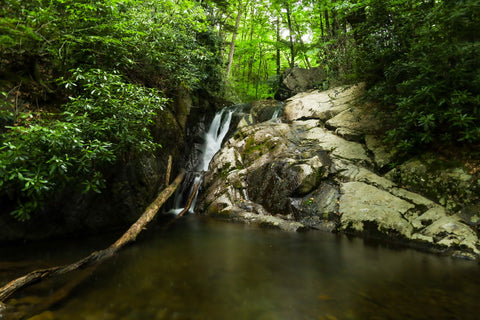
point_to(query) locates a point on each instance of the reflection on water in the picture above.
(203, 269)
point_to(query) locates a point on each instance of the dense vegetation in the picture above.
(81, 81)
(421, 62)
(419, 58)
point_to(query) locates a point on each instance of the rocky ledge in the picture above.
(322, 166)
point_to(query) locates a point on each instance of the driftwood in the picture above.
(97, 256)
(192, 196)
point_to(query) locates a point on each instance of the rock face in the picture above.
(296, 80)
(321, 167)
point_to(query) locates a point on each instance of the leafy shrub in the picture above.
(109, 55)
(108, 119)
(420, 59)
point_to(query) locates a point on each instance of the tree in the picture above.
(234, 37)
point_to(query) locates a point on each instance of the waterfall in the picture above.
(213, 139)
(278, 111)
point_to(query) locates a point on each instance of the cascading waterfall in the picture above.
(276, 113)
(214, 137)
(212, 143)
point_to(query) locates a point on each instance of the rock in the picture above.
(264, 110)
(441, 180)
(354, 123)
(382, 155)
(317, 105)
(301, 174)
(449, 232)
(268, 222)
(366, 209)
(351, 172)
(339, 147)
(320, 205)
(297, 80)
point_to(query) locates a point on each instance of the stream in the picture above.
(203, 269)
(199, 268)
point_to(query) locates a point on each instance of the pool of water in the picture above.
(206, 269)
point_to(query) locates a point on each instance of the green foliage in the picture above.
(108, 119)
(81, 83)
(160, 42)
(421, 62)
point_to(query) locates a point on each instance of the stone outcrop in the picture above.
(296, 80)
(323, 166)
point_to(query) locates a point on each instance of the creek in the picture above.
(201, 268)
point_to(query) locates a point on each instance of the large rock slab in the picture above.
(321, 105)
(363, 207)
(354, 123)
(339, 147)
(303, 174)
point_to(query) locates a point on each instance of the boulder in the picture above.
(321, 105)
(445, 181)
(296, 80)
(354, 123)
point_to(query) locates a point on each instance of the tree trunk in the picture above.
(290, 31)
(297, 31)
(327, 23)
(278, 46)
(234, 37)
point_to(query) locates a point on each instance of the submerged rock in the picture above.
(321, 168)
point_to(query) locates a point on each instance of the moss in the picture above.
(225, 170)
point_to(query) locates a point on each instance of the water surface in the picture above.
(204, 269)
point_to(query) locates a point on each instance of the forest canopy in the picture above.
(81, 81)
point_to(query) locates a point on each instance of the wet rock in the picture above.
(264, 110)
(451, 233)
(319, 205)
(269, 222)
(301, 174)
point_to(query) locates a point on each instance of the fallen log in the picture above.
(95, 257)
(192, 196)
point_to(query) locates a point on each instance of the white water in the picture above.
(213, 141)
(214, 137)
(276, 113)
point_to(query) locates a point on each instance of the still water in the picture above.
(204, 269)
